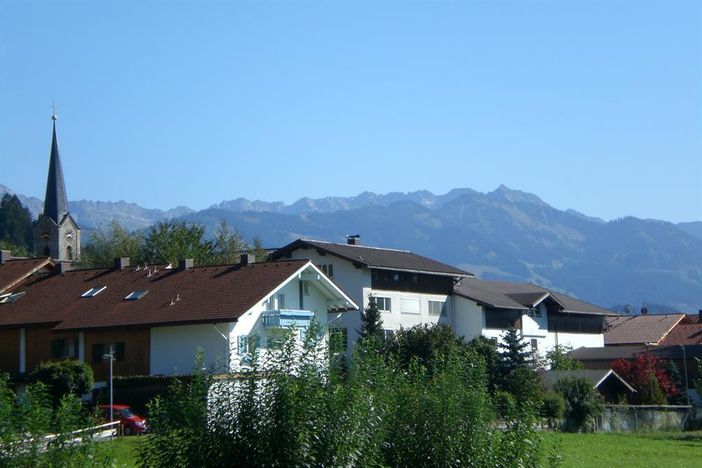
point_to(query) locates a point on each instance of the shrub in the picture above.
(27, 420)
(641, 372)
(63, 378)
(287, 410)
(553, 408)
(583, 403)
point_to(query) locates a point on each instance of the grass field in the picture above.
(123, 451)
(631, 450)
(655, 449)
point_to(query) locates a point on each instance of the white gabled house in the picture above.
(410, 289)
(156, 318)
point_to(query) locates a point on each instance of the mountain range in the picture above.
(504, 234)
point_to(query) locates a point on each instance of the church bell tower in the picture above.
(56, 234)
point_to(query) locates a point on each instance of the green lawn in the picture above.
(122, 451)
(655, 449)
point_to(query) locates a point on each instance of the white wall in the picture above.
(173, 348)
(470, 320)
(251, 323)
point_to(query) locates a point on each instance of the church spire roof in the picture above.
(55, 201)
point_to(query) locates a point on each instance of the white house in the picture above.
(410, 289)
(155, 318)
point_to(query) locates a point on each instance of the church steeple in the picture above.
(56, 234)
(55, 201)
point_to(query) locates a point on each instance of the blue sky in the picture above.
(591, 105)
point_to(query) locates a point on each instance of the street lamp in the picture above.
(111, 358)
(687, 392)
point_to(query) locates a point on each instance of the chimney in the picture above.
(121, 263)
(62, 267)
(354, 239)
(185, 264)
(5, 256)
(247, 259)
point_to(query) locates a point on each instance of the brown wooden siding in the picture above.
(9, 351)
(137, 342)
(391, 280)
(38, 344)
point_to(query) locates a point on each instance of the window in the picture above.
(92, 292)
(305, 288)
(388, 335)
(100, 349)
(280, 301)
(409, 306)
(502, 318)
(437, 308)
(327, 269)
(338, 340)
(277, 337)
(535, 312)
(69, 249)
(534, 345)
(247, 344)
(64, 348)
(11, 297)
(136, 295)
(383, 303)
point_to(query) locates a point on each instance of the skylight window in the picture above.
(92, 292)
(10, 298)
(136, 295)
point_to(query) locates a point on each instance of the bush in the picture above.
(287, 410)
(63, 378)
(553, 408)
(583, 403)
(426, 344)
(27, 420)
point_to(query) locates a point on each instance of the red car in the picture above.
(130, 422)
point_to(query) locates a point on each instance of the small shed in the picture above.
(610, 385)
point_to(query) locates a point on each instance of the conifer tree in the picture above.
(371, 322)
(513, 352)
(15, 224)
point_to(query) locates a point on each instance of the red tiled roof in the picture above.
(687, 334)
(206, 294)
(639, 329)
(15, 270)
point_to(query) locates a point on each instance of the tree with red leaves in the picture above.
(647, 374)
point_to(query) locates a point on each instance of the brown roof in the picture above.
(205, 294)
(687, 334)
(15, 270)
(507, 295)
(375, 257)
(639, 329)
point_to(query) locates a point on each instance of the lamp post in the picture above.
(687, 393)
(111, 358)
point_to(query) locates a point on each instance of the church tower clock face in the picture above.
(69, 235)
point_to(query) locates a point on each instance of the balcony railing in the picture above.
(287, 318)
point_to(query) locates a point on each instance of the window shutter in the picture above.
(241, 344)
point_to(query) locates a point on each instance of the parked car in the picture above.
(131, 423)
